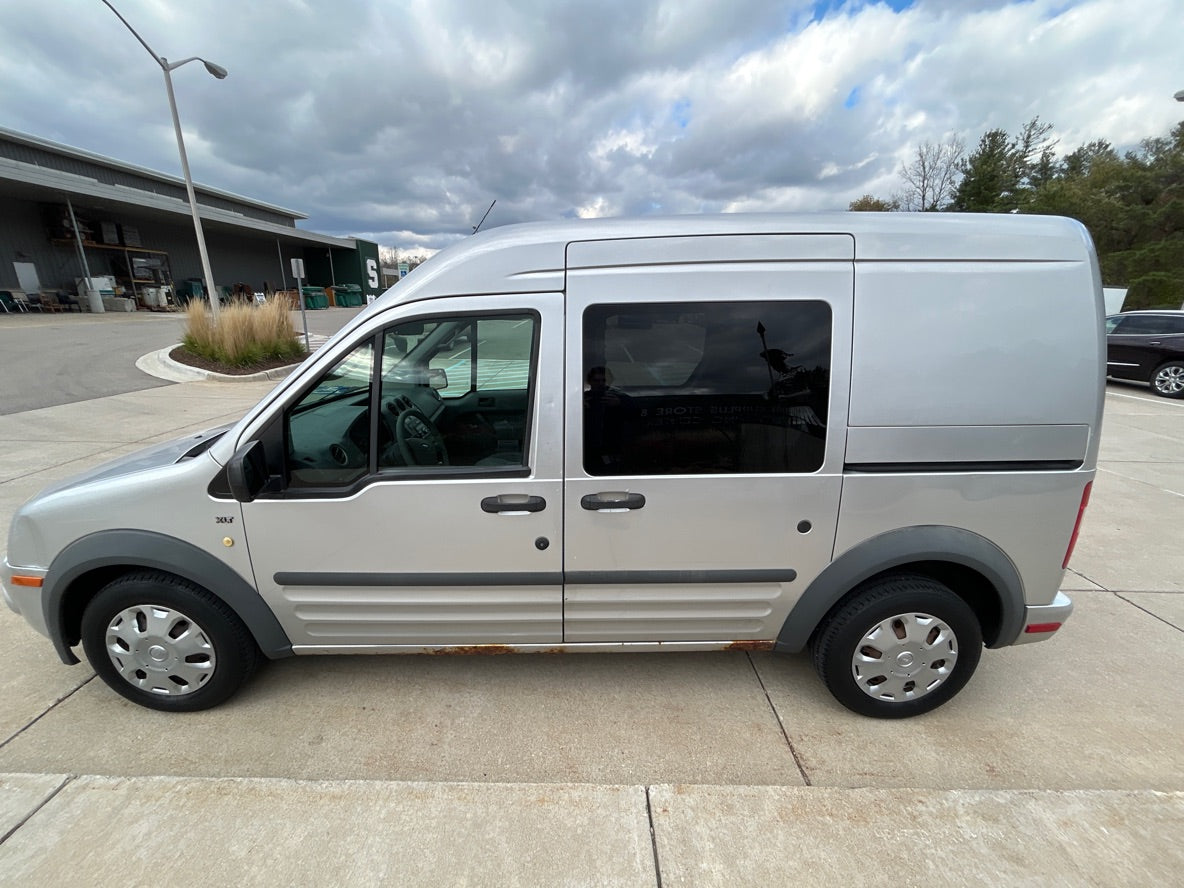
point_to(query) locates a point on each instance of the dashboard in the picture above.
(329, 440)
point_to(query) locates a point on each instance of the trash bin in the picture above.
(348, 295)
(314, 297)
(189, 289)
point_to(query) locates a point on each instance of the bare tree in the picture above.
(931, 179)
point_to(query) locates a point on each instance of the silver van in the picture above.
(869, 436)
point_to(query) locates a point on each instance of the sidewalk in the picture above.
(1061, 764)
(148, 830)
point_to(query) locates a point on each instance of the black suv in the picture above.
(1147, 346)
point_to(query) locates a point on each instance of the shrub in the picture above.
(244, 335)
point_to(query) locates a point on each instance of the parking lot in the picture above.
(1060, 763)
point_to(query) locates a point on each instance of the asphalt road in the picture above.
(55, 359)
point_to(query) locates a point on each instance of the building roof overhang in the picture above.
(143, 172)
(32, 182)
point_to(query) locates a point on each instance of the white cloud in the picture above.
(405, 119)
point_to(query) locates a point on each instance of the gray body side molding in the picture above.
(903, 546)
(155, 551)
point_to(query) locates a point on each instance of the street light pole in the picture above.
(168, 67)
(215, 301)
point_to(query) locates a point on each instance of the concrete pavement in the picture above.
(1060, 764)
(226, 831)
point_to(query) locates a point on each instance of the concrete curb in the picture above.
(162, 366)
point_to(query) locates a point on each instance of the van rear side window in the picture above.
(706, 388)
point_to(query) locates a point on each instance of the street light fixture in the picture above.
(1180, 95)
(168, 67)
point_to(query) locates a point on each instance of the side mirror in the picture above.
(437, 378)
(247, 472)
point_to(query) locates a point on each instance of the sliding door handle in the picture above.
(612, 501)
(513, 502)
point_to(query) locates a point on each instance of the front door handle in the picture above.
(612, 501)
(517, 503)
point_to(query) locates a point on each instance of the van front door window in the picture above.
(452, 392)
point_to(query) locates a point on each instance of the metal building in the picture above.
(60, 206)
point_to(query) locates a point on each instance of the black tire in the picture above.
(166, 643)
(938, 626)
(1168, 380)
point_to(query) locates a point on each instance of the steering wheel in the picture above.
(420, 443)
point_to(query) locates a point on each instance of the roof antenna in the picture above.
(477, 227)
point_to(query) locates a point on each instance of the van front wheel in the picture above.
(901, 647)
(166, 643)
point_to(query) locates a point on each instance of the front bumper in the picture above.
(23, 599)
(1041, 621)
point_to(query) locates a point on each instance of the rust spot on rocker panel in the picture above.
(490, 650)
(750, 646)
(487, 649)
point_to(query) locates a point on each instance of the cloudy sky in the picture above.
(401, 120)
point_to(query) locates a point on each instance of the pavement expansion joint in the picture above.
(1149, 613)
(780, 723)
(66, 781)
(649, 814)
(52, 706)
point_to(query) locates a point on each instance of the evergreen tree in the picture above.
(1002, 172)
(1133, 205)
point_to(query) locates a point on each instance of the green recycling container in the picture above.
(315, 297)
(348, 295)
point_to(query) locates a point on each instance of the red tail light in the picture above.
(1077, 524)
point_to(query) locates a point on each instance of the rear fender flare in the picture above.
(896, 548)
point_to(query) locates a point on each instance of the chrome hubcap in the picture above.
(904, 657)
(1170, 380)
(160, 650)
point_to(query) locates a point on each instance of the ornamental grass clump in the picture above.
(245, 335)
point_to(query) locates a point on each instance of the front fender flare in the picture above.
(155, 551)
(907, 545)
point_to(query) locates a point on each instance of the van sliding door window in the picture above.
(706, 388)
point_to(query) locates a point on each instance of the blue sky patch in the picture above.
(823, 8)
(1058, 11)
(681, 112)
(853, 98)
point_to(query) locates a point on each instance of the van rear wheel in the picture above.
(166, 643)
(901, 647)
